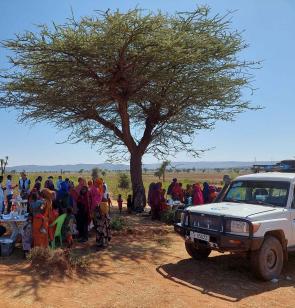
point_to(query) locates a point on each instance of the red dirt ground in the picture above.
(147, 267)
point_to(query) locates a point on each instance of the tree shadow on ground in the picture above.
(226, 277)
(19, 279)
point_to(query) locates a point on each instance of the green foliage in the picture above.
(165, 75)
(118, 223)
(168, 216)
(124, 181)
(130, 83)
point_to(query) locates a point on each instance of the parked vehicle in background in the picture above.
(256, 216)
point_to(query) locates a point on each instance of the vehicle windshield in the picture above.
(270, 193)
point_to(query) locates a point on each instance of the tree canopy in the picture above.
(130, 83)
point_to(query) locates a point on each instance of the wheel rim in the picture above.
(271, 259)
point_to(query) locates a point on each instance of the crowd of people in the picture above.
(191, 195)
(74, 209)
(50, 204)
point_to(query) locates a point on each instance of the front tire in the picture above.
(267, 262)
(195, 252)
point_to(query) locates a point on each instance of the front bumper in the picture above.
(221, 241)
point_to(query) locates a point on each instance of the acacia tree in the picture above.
(130, 83)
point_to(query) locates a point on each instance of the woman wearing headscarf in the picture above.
(96, 193)
(42, 219)
(83, 215)
(206, 193)
(81, 183)
(188, 195)
(49, 214)
(176, 192)
(156, 201)
(197, 195)
(212, 193)
(62, 197)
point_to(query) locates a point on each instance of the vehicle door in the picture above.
(291, 239)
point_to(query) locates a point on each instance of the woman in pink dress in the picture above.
(197, 195)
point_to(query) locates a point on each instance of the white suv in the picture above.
(256, 215)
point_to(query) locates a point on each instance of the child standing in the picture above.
(120, 203)
(109, 202)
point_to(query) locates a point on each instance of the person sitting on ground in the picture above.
(129, 204)
(120, 203)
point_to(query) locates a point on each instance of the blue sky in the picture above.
(265, 135)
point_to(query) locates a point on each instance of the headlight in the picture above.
(237, 226)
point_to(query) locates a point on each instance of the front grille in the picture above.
(206, 222)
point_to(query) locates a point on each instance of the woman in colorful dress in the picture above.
(197, 195)
(101, 220)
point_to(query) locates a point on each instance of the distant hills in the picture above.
(121, 167)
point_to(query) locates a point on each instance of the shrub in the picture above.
(53, 261)
(168, 216)
(118, 223)
(124, 181)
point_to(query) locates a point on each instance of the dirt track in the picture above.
(148, 268)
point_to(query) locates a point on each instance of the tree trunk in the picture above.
(139, 198)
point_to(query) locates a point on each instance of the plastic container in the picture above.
(7, 246)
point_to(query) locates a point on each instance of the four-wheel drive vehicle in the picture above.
(256, 216)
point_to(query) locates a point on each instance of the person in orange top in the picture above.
(40, 230)
(40, 220)
(50, 216)
(212, 193)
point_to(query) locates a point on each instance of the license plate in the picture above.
(199, 236)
